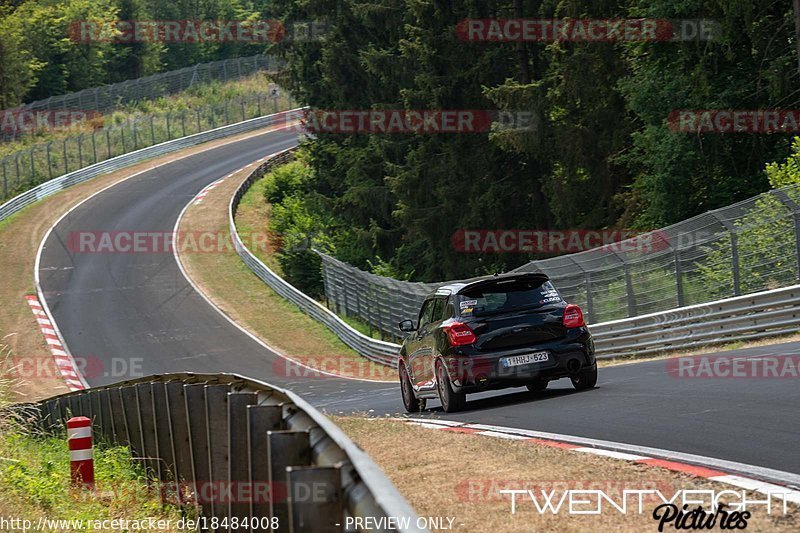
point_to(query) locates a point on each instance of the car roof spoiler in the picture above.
(504, 278)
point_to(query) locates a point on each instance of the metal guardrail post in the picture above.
(238, 468)
(144, 396)
(118, 416)
(106, 420)
(260, 420)
(163, 436)
(284, 449)
(133, 420)
(195, 397)
(316, 502)
(179, 431)
(218, 450)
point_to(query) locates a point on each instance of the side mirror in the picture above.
(407, 325)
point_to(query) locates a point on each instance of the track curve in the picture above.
(139, 309)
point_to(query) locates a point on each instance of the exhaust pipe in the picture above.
(573, 366)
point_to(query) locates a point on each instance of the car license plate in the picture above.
(525, 359)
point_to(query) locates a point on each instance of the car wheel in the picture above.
(585, 379)
(538, 386)
(410, 400)
(452, 401)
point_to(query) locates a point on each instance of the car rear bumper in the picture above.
(485, 371)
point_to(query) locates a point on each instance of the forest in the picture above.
(605, 152)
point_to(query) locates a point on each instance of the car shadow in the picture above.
(514, 398)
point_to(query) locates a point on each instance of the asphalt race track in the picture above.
(139, 309)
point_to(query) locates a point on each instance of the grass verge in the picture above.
(35, 482)
(227, 281)
(459, 475)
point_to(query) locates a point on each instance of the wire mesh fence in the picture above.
(108, 97)
(747, 247)
(44, 161)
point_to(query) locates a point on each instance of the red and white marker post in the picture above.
(79, 436)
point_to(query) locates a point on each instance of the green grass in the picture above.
(35, 476)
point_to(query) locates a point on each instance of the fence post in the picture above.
(33, 169)
(5, 179)
(135, 139)
(183, 123)
(80, 150)
(108, 143)
(152, 130)
(737, 289)
(16, 165)
(49, 161)
(678, 274)
(64, 153)
(589, 299)
(169, 134)
(94, 146)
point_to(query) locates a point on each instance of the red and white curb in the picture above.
(208, 188)
(64, 362)
(777, 491)
(202, 194)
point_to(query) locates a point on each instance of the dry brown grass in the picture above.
(227, 281)
(19, 241)
(448, 474)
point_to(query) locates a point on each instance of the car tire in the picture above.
(452, 401)
(537, 386)
(410, 400)
(585, 379)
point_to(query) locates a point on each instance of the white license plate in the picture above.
(525, 359)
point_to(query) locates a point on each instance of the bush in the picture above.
(287, 180)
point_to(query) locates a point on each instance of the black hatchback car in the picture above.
(508, 330)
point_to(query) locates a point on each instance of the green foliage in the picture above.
(788, 172)
(38, 58)
(291, 179)
(601, 154)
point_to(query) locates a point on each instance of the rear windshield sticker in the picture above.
(467, 303)
(550, 299)
(466, 310)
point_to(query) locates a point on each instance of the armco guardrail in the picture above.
(237, 448)
(68, 180)
(379, 351)
(755, 316)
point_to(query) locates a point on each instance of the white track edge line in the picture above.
(40, 292)
(242, 328)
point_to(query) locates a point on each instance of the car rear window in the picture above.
(507, 296)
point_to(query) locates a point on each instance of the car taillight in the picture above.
(573, 317)
(460, 334)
